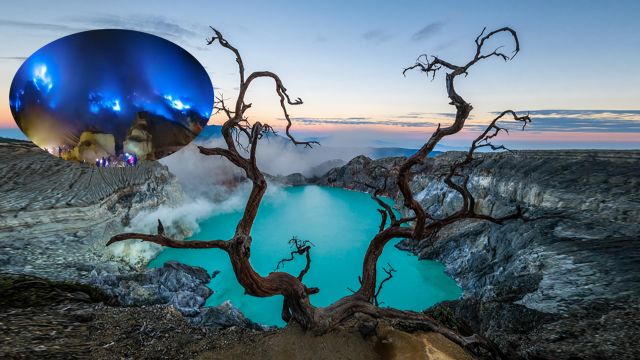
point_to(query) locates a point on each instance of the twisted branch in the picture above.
(389, 270)
(299, 247)
(467, 210)
(463, 109)
(161, 239)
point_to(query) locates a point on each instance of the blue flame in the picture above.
(101, 89)
(177, 103)
(97, 102)
(41, 79)
(17, 104)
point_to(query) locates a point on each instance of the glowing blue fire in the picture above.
(78, 90)
(17, 104)
(177, 103)
(97, 102)
(41, 80)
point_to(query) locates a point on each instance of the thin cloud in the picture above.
(431, 116)
(427, 31)
(377, 35)
(410, 116)
(39, 26)
(590, 114)
(362, 121)
(450, 115)
(173, 29)
(157, 25)
(17, 58)
(611, 121)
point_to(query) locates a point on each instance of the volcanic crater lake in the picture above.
(340, 223)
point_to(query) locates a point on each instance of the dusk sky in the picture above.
(577, 70)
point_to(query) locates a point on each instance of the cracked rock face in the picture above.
(56, 216)
(184, 287)
(536, 287)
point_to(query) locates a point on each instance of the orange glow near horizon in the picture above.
(527, 138)
(6, 120)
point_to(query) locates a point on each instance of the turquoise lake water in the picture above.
(340, 223)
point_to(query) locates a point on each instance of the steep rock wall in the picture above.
(563, 283)
(56, 215)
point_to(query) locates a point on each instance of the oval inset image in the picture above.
(111, 97)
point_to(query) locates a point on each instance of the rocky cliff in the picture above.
(563, 283)
(56, 216)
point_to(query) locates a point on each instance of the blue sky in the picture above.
(344, 59)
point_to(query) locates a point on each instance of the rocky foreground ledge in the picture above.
(563, 284)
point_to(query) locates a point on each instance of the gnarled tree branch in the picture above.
(389, 270)
(298, 247)
(161, 239)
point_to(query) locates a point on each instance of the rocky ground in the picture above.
(562, 284)
(40, 318)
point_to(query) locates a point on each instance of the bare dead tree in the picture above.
(296, 305)
(298, 247)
